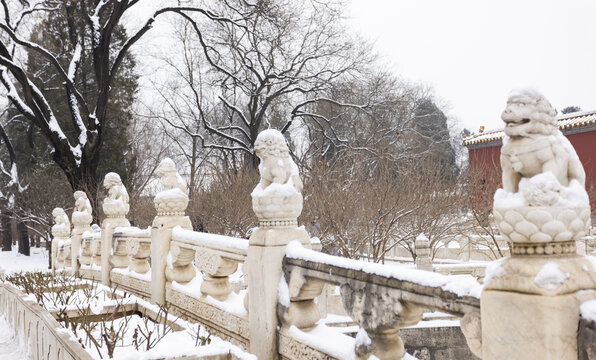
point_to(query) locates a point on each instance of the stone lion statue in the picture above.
(117, 200)
(82, 212)
(534, 145)
(169, 177)
(82, 203)
(61, 222)
(276, 164)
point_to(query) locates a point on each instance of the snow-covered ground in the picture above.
(11, 348)
(12, 261)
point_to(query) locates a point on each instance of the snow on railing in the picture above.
(378, 297)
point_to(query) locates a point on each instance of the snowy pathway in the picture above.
(10, 348)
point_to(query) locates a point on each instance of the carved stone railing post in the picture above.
(60, 233)
(170, 204)
(81, 221)
(530, 302)
(381, 313)
(423, 259)
(302, 311)
(277, 202)
(216, 271)
(115, 208)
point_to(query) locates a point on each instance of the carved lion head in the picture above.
(528, 113)
(271, 143)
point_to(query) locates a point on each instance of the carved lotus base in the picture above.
(81, 219)
(60, 232)
(115, 209)
(542, 224)
(171, 202)
(277, 207)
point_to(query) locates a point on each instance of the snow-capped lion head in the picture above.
(529, 113)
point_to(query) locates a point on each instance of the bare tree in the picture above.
(262, 73)
(77, 151)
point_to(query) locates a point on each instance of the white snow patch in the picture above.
(275, 188)
(133, 230)
(493, 269)
(550, 276)
(327, 340)
(461, 285)
(175, 193)
(543, 185)
(211, 240)
(588, 310)
(12, 261)
(283, 292)
(362, 338)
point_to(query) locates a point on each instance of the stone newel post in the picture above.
(170, 204)
(422, 247)
(81, 221)
(60, 232)
(530, 303)
(115, 208)
(277, 202)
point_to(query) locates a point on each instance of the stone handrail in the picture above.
(132, 247)
(215, 256)
(380, 298)
(44, 336)
(90, 256)
(130, 267)
(213, 303)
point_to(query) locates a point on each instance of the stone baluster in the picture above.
(216, 271)
(67, 250)
(170, 204)
(60, 233)
(81, 221)
(86, 257)
(180, 267)
(277, 202)
(380, 313)
(120, 258)
(530, 301)
(422, 248)
(61, 255)
(115, 208)
(302, 311)
(96, 251)
(139, 250)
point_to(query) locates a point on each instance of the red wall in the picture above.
(584, 144)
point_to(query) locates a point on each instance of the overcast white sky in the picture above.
(473, 52)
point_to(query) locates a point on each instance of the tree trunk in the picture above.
(49, 249)
(87, 180)
(24, 245)
(6, 231)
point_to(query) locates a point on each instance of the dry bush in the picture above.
(224, 205)
(358, 212)
(479, 228)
